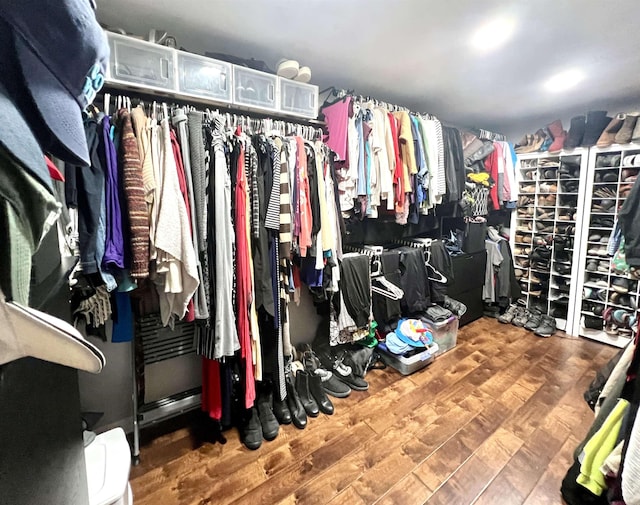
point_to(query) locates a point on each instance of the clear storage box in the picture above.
(139, 62)
(445, 333)
(204, 77)
(258, 90)
(407, 365)
(298, 98)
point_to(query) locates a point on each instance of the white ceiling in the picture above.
(417, 52)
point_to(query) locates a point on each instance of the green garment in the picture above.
(27, 212)
(598, 449)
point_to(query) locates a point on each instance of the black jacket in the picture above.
(629, 219)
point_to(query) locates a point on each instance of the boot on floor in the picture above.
(268, 422)
(251, 430)
(298, 414)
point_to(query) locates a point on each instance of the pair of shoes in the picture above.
(259, 421)
(509, 314)
(291, 69)
(608, 160)
(458, 308)
(534, 320)
(570, 186)
(547, 327)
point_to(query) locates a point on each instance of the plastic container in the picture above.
(257, 90)
(108, 460)
(407, 365)
(204, 77)
(298, 98)
(445, 333)
(139, 62)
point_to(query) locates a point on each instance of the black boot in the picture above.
(270, 425)
(251, 431)
(281, 410)
(317, 391)
(298, 415)
(302, 386)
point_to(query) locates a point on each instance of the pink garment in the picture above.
(211, 390)
(304, 199)
(336, 116)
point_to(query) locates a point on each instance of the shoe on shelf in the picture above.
(609, 134)
(547, 327)
(576, 132)
(620, 285)
(626, 131)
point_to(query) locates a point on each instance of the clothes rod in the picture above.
(150, 94)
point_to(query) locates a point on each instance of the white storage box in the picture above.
(298, 98)
(108, 461)
(204, 77)
(258, 90)
(138, 62)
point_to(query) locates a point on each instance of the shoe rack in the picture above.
(600, 287)
(549, 210)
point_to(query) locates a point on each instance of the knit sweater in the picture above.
(134, 192)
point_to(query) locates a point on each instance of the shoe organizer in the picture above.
(204, 77)
(298, 98)
(138, 62)
(258, 90)
(607, 291)
(546, 224)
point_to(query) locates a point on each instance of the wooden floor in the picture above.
(493, 421)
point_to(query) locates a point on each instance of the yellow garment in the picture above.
(407, 151)
(481, 178)
(598, 449)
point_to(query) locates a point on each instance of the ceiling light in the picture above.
(493, 34)
(564, 80)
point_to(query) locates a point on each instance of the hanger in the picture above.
(388, 289)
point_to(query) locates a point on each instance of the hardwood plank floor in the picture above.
(494, 420)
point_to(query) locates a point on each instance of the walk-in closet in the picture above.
(330, 252)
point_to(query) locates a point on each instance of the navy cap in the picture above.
(16, 138)
(63, 54)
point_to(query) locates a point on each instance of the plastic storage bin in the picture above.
(139, 62)
(108, 460)
(204, 77)
(445, 333)
(407, 365)
(255, 89)
(298, 98)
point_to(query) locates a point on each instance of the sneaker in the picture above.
(521, 318)
(547, 327)
(509, 314)
(535, 319)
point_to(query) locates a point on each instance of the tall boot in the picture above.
(576, 132)
(251, 431)
(298, 415)
(625, 133)
(559, 136)
(268, 421)
(281, 409)
(302, 386)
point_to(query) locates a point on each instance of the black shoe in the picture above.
(281, 411)
(547, 327)
(251, 431)
(308, 402)
(335, 387)
(268, 421)
(319, 395)
(620, 285)
(298, 415)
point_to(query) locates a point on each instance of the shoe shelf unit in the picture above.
(550, 188)
(600, 286)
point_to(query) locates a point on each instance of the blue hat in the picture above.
(62, 53)
(414, 332)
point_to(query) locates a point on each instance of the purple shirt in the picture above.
(336, 116)
(114, 247)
